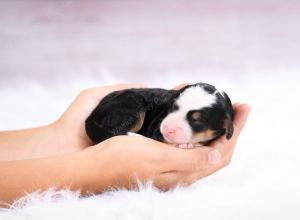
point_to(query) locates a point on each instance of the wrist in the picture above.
(30, 143)
(48, 141)
(20, 176)
(72, 135)
(97, 170)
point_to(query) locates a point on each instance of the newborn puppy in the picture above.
(193, 115)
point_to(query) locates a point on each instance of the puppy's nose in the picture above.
(170, 131)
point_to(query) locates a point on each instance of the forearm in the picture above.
(31, 143)
(75, 171)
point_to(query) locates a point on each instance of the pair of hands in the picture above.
(131, 157)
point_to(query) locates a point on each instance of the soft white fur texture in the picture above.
(262, 181)
(194, 98)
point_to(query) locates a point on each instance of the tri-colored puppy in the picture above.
(191, 116)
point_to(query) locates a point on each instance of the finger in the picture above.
(235, 105)
(182, 85)
(170, 179)
(167, 156)
(241, 113)
(187, 160)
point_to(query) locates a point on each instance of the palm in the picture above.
(72, 122)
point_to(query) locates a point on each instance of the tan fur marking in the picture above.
(202, 136)
(138, 125)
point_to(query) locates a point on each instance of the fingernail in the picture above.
(214, 157)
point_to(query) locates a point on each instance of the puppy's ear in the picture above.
(228, 125)
(228, 122)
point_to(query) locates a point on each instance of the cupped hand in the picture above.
(129, 158)
(71, 125)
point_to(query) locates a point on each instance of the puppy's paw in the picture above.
(182, 146)
(188, 146)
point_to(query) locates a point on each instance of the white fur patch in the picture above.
(186, 131)
(194, 98)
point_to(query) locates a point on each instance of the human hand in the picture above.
(65, 135)
(130, 157)
(116, 162)
(71, 125)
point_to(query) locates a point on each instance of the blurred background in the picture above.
(51, 49)
(50, 40)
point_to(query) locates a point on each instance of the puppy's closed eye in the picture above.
(196, 116)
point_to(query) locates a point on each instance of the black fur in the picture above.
(119, 112)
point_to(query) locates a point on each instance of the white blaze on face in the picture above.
(175, 128)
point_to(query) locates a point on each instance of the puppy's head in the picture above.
(199, 114)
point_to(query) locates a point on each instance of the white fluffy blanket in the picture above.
(262, 182)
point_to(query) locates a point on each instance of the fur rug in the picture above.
(260, 183)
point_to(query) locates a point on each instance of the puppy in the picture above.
(194, 115)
